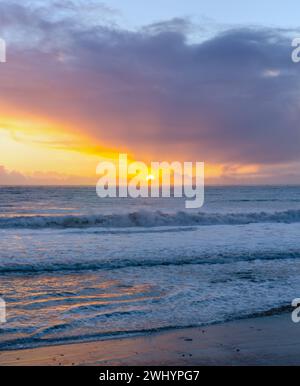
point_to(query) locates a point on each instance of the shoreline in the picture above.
(267, 340)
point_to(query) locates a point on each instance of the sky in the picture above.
(136, 13)
(164, 80)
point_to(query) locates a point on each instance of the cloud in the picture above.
(12, 178)
(233, 98)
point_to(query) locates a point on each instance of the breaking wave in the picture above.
(202, 257)
(149, 219)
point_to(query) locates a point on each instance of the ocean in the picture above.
(75, 268)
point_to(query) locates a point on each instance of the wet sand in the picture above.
(270, 340)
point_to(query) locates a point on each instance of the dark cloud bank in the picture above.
(234, 98)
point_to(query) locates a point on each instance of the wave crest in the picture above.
(149, 219)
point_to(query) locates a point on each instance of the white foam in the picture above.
(143, 218)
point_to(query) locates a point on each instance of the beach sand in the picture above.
(270, 340)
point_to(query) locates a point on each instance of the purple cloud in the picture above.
(233, 98)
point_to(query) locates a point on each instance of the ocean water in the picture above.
(74, 267)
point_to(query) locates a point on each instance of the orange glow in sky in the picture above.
(37, 147)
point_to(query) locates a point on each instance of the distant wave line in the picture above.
(145, 218)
